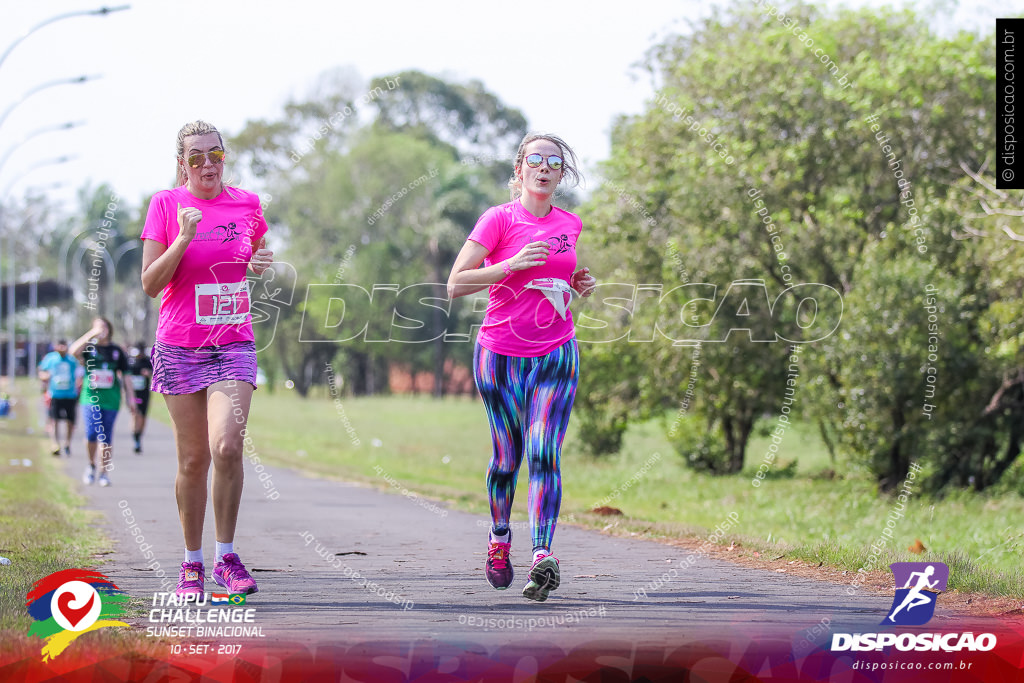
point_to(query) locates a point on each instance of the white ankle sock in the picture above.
(504, 538)
(194, 555)
(223, 549)
(538, 553)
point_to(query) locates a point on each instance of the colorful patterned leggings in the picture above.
(528, 402)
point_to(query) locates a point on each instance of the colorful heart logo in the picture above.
(76, 605)
(73, 615)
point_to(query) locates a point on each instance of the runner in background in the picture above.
(58, 371)
(105, 364)
(526, 361)
(140, 374)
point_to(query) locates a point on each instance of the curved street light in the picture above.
(39, 131)
(11, 351)
(102, 11)
(33, 277)
(39, 164)
(44, 86)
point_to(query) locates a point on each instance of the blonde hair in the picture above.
(569, 161)
(188, 130)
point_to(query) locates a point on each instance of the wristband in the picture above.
(507, 268)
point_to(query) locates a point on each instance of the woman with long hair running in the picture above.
(199, 239)
(526, 361)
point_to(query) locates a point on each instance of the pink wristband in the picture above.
(507, 268)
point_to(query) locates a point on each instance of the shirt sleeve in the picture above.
(489, 230)
(156, 221)
(261, 225)
(257, 225)
(122, 361)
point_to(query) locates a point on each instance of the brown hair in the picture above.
(188, 130)
(569, 161)
(110, 327)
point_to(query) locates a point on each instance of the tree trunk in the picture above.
(1010, 454)
(358, 372)
(897, 467)
(437, 322)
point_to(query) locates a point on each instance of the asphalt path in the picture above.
(341, 562)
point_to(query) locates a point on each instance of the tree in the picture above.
(377, 209)
(763, 168)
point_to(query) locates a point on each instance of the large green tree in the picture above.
(373, 192)
(776, 154)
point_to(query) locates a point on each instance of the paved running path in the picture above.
(434, 563)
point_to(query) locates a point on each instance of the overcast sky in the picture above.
(568, 65)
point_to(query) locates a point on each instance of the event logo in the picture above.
(71, 602)
(917, 587)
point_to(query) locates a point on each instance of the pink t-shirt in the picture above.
(521, 321)
(207, 300)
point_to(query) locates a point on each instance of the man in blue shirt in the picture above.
(60, 371)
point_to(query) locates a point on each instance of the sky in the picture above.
(571, 68)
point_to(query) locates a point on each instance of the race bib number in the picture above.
(102, 379)
(138, 382)
(557, 291)
(222, 304)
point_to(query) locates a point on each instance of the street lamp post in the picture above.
(39, 131)
(102, 11)
(33, 289)
(44, 86)
(11, 349)
(11, 346)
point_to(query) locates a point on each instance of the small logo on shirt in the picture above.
(222, 233)
(560, 244)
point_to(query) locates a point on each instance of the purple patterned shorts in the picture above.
(182, 370)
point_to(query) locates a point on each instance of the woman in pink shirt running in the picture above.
(199, 240)
(526, 361)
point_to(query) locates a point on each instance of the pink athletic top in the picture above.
(520, 321)
(207, 300)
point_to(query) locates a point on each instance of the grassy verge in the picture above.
(814, 513)
(43, 529)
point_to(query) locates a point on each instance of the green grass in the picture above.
(441, 449)
(43, 529)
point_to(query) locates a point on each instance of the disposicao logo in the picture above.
(918, 584)
(69, 603)
(914, 604)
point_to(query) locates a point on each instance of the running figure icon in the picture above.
(914, 597)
